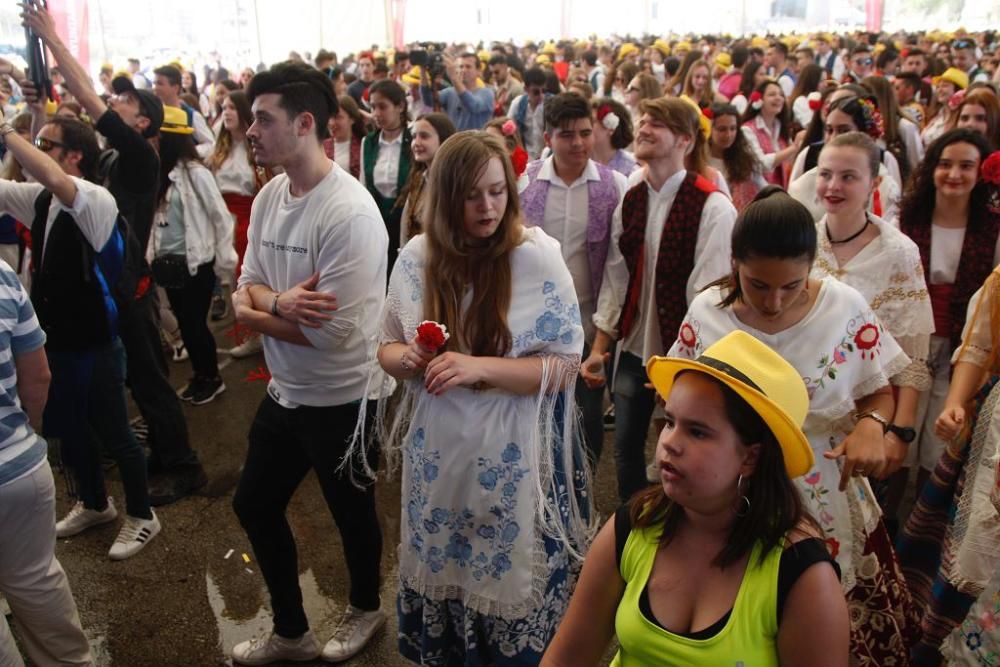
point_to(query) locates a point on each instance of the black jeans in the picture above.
(147, 378)
(285, 444)
(190, 305)
(634, 405)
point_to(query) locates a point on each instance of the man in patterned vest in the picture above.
(573, 199)
(669, 238)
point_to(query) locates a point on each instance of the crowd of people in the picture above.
(465, 264)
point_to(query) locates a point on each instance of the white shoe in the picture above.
(251, 346)
(271, 648)
(356, 629)
(80, 519)
(134, 535)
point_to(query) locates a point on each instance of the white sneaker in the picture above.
(133, 536)
(251, 346)
(271, 648)
(80, 519)
(356, 629)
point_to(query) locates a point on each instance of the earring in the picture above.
(742, 501)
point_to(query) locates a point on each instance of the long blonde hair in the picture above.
(453, 264)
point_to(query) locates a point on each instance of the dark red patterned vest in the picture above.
(974, 266)
(675, 259)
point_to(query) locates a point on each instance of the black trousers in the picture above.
(190, 305)
(285, 444)
(147, 378)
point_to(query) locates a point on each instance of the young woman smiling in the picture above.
(882, 263)
(767, 124)
(429, 132)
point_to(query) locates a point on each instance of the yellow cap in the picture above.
(412, 78)
(627, 49)
(683, 45)
(724, 60)
(662, 46)
(549, 49)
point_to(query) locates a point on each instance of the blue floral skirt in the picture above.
(444, 633)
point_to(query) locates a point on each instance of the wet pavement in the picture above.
(180, 602)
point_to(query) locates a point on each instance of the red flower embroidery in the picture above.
(866, 338)
(432, 335)
(833, 545)
(687, 336)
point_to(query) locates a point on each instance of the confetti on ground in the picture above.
(228, 554)
(246, 559)
(249, 571)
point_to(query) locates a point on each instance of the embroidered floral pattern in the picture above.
(861, 337)
(557, 323)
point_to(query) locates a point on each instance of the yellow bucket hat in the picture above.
(761, 377)
(724, 60)
(626, 49)
(662, 46)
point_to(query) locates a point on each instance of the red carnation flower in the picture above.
(708, 113)
(432, 335)
(519, 159)
(756, 96)
(991, 168)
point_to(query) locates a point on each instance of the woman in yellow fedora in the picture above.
(720, 563)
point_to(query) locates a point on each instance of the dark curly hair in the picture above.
(739, 158)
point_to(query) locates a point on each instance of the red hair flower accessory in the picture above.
(708, 113)
(815, 100)
(432, 335)
(509, 127)
(756, 100)
(873, 119)
(990, 170)
(956, 100)
(608, 118)
(519, 160)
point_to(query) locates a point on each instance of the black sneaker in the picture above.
(220, 307)
(206, 389)
(186, 393)
(171, 487)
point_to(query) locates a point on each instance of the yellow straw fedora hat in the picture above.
(762, 378)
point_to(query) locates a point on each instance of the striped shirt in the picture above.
(21, 451)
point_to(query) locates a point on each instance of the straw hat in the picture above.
(762, 378)
(955, 75)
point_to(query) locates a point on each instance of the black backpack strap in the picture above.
(623, 526)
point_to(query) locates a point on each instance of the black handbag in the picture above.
(171, 271)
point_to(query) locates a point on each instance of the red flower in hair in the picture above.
(602, 111)
(815, 100)
(756, 96)
(708, 113)
(519, 158)
(990, 170)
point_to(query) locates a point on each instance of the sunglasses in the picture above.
(45, 145)
(963, 44)
(864, 61)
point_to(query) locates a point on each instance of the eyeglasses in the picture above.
(863, 61)
(45, 145)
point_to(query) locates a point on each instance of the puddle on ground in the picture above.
(322, 612)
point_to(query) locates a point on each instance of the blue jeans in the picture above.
(87, 411)
(634, 405)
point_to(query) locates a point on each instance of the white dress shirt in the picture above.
(386, 171)
(711, 262)
(565, 219)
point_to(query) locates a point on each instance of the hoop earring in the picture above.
(742, 501)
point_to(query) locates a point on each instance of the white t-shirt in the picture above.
(946, 250)
(336, 230)
(236, 175)
(342, 154)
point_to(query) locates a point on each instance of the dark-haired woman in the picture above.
(947, 214)
(239, 180)
(347, 131)
(612, 136)
(731, 155)
(767, 125)
(808, 82)
(720, 560)
(429, 132)
(830, 334)
(491, 521)
(386, 159)
(754, 74)
(192, 243)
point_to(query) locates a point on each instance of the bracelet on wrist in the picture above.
(274, 305)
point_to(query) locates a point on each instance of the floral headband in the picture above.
(873, 119)
(608, 118)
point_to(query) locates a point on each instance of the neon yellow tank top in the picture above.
(749, 638)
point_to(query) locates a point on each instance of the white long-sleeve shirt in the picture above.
(711, 262)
